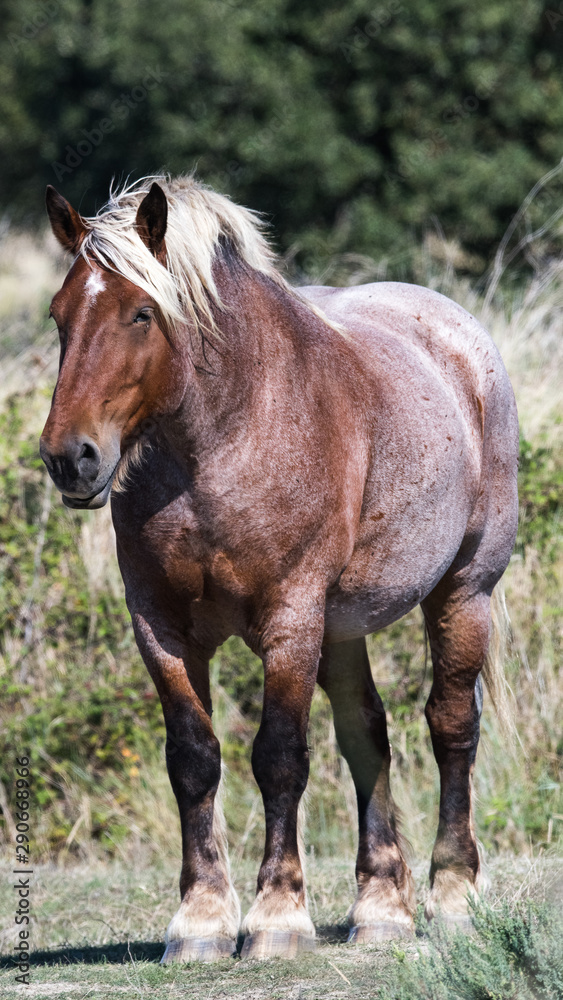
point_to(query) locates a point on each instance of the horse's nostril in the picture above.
(88, 459)
(88, 451)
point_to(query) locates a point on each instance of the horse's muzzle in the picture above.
(78, 471)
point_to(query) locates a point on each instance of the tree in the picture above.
(352, 126)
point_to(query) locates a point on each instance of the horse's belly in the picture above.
(382, 584)
(370, 608)
(352, 616)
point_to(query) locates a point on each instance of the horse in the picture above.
(299, 467)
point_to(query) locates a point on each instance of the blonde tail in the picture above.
(493, 672)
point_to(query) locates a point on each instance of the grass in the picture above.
(99, 927)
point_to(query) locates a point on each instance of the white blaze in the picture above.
(94, 285)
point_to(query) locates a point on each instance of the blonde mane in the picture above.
(198, 220)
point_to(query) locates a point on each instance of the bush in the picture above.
(515, 953)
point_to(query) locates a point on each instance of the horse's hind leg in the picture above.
(458, 622)
(386, 900)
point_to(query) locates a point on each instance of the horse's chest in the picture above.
(179, 555)
(169, 553)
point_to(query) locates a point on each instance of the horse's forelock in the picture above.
(200, 223)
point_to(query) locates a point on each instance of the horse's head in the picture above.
(117, 366)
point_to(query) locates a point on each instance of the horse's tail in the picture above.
(493, 669)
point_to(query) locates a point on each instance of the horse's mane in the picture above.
(200, 221)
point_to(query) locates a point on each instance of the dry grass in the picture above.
(97, 930)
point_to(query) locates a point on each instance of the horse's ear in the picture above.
(152, 216)
(68, 226)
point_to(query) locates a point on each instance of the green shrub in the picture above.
(515, 953)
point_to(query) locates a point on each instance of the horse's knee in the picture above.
(193, 758)
(280, 760)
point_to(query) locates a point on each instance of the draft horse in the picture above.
(298, 467)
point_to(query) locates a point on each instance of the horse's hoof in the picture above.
(272, 944)
(195, 949)
(380, 930)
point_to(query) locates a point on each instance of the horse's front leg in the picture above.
(278, 922)
(206, 925)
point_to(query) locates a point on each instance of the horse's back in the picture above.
(438, 328)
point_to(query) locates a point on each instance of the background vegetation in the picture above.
(355, 126)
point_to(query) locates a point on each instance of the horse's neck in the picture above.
(262, 333)
(260, 317)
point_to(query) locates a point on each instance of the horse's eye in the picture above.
(143, 317)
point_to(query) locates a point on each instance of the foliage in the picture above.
(540, 488)
(355, 127)
(515, 953)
